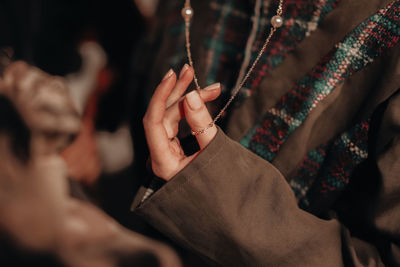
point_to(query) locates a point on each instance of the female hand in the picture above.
(163, 115)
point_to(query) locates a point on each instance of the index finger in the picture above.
(156, 135)
(157, 106)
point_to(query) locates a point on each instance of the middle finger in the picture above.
(185, 78)
(174, 114)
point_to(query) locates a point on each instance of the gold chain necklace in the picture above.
(187, 14)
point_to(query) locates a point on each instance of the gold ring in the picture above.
(201, 131)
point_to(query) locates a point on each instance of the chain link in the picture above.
(187, 16)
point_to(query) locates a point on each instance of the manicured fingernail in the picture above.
(168, 75)
(194, 100)
(183, 71)
(213, 86)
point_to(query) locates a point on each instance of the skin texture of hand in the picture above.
(166, 109)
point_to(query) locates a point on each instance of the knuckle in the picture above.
(149, 119)
(145, 120)
(202, 116)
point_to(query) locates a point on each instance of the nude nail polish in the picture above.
(168, 74)
(194, 100)
(213, 87)
(183, 71)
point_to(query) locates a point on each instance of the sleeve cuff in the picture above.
(147, 191)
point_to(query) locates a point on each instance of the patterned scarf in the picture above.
(326, 171)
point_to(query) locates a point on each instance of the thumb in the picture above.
(199, 118)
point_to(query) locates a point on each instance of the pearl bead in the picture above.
(187, 13)
(277, 21)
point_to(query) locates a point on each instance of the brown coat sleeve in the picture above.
(237, 209)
